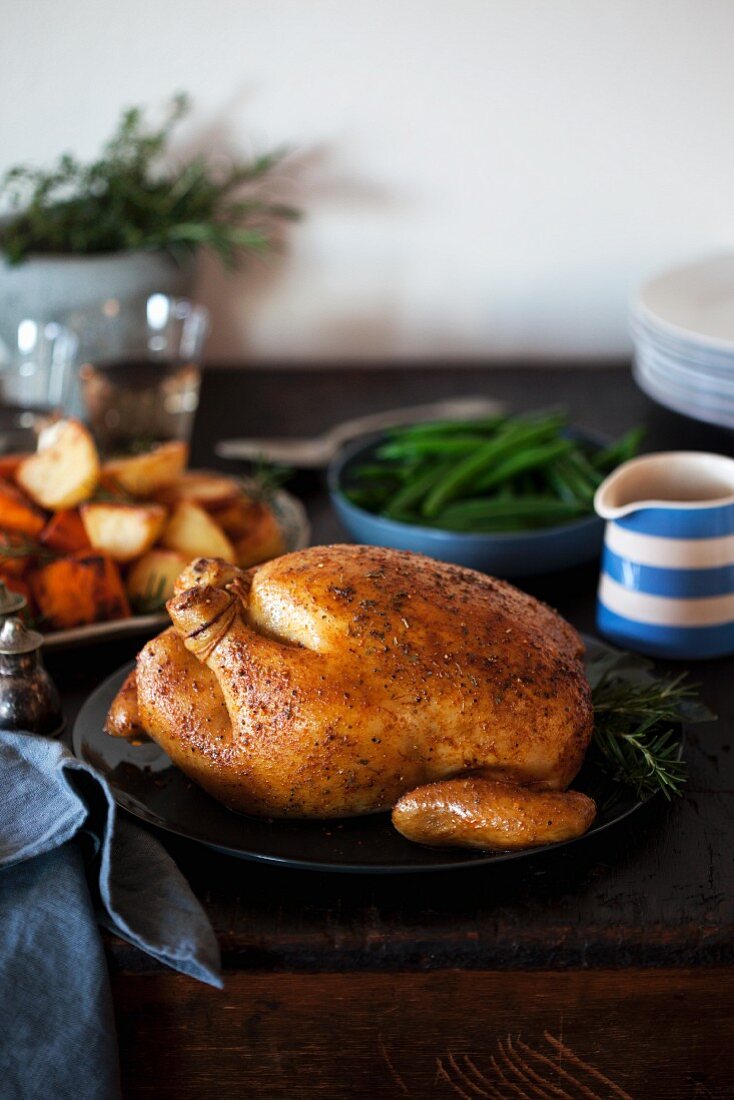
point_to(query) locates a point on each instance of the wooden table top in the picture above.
(657, 890)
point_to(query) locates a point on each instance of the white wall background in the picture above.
(481, 177)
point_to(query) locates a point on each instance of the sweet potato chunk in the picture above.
(65, 532)
(192, 532)
(124, 531)
(151, 578)
(74, 591)
(18, 514)
(142, 475)
(65, 469)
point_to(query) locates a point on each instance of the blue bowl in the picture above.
(516, 554)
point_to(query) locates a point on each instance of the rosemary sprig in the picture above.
(131, 198)
(21, 547)
(635, 738)
(266, 479)
(111, 493)
(153, 599)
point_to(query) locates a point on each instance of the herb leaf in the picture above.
(131, 199)
(635, 718)
(153, 599)
(266, 478)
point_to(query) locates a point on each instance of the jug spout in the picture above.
(671, 479)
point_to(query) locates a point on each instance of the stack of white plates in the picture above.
(683, 330)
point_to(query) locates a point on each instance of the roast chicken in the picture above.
(345, 680)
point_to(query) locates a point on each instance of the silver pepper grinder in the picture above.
(28, 698)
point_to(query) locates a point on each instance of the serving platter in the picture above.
(146, 784)
(293, 522)
(137, 625)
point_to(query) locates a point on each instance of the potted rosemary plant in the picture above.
(125, 225)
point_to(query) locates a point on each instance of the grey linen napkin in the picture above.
(67, 861)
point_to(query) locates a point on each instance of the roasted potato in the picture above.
(235, 518)
(145, 474)
(18, 514)
(262, 538)
(192, 532)
(123, 718)
(65, 532)
(151, 578)
(145, 513)
(65, 469)
(84, 588)
(212, 491)
(124, 531)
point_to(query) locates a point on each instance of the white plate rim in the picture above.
(656, 284)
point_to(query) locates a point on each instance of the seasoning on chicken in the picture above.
(344, 680)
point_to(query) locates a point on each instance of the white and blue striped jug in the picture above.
(667, 578)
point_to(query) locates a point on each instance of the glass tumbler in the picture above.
(36, 379)
(139, 378)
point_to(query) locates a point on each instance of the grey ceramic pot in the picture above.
(48, 288)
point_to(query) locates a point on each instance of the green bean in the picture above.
(487, 507)
(559, 484)
(578, 459)
(620, 451)
(399, 516)
(484, 515)
(438, 446)
(413, 491)
(447, 427)
(375, 471)
(582, 489)
(493, 474)
(524, 485)
(522, 461)
(365, 498)
(509, 441)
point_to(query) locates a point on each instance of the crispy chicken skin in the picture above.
(334, 680)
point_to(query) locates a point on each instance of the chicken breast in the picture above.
(332, 681)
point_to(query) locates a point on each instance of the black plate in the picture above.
(146, 784)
